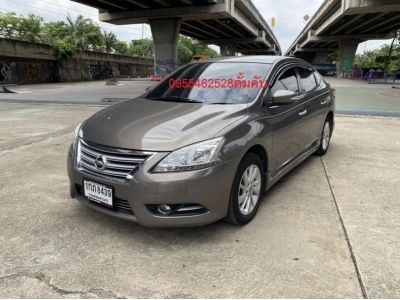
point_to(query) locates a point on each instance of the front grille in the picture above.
(110, 163)
(118, 204)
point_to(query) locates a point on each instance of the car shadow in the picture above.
(164, 237)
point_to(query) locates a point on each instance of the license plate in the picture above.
(98, 193)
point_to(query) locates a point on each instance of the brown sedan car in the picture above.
(204, 144)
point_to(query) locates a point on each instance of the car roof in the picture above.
(267, 59)
(260, 59)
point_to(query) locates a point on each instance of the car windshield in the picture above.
(213, 83)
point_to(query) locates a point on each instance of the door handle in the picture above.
(298, 97)
(323, 102)
(303, 112)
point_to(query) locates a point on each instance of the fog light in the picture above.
(164, 209)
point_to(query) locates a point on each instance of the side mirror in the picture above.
(283, 97)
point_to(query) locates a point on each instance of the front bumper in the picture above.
(209, 188)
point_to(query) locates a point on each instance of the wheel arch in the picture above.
(260, 151)
(330, 116)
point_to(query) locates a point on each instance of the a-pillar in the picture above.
(347, 54)
(227, 49)
(165, 36)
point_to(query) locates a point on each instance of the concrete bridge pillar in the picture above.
(227, 49)
(347, 53)
(165, 36)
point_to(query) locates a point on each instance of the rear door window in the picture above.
(319, 80)
(307, 80)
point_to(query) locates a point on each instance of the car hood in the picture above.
(141, 124)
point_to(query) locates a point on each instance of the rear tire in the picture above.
(247, 190)
(325, 138)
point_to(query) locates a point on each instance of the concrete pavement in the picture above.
(364, 175)
(328, 229)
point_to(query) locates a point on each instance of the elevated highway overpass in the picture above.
(340, 25)
(234, 25)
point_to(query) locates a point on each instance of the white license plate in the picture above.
(98, 193)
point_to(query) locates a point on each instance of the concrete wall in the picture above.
(23, 62)
(19, 70)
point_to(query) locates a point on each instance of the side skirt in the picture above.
(274, 177)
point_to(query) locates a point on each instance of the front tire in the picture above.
(247, 190)
(325, 138)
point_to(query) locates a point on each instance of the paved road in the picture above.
(328, 229)
(353, 97)
(359, 97)
(89, 92)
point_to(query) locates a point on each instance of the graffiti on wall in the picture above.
(124, 70)
(99, 70)
(163, 68)
(26, 72)
(5, 72)
(105, 70)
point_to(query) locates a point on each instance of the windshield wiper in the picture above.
(175, 99)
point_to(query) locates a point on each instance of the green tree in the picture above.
(30, 28)
(63, 49)
(185, 41)
(365, 60)
(378, 58)
(54, 32)
(109, 40)
(207, 51)
(392, 61)
(142, 48)
(185, 54)
(121, 47)
(95, 40)
(196, 49)
(9, 25)
(84, 34)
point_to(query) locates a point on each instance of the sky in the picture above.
(288, 13)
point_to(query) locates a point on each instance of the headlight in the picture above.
(193, 157)
(77, 131)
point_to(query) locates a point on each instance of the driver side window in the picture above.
(286, 81)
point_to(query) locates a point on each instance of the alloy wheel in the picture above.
(249, 189)
(326, 135)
